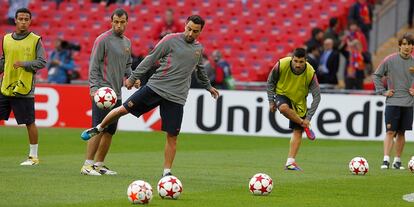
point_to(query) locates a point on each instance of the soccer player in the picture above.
(288, 86)
(110, 63)
(23, 55)
(179, 54)
(399, 98)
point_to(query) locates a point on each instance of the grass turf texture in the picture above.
(214, 169)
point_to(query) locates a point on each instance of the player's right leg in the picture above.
(112, 116)
(388, 142)
(95, 142)
(392, 119)
(24, 113)
(295, 142)
(284, 105)
(103, 149)
(399, 147)
(138, 103)
(91, 148)
(171, 116)
(289, 113)
(104, 146)
(169, 153)
(33, 139)
(406, 123)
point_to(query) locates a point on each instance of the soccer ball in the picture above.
(358, 166)
(261, 184)
(105, 98)
(169, 187)
(139, 192)
(411, 164)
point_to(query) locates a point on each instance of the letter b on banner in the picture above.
(50, 107)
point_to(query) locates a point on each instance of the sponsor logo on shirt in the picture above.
(27, 53)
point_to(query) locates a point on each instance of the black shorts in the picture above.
(398, 118)
(99, 114)
(23, 109)
(146, 99)
(281, 99)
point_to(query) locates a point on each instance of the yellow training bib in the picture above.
(294, 86)
(18, 80)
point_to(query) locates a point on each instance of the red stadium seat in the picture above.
(251, 36)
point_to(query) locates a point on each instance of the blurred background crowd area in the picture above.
(243, 39)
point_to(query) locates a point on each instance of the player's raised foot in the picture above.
(397, 166)
(89, 133)
(309, 133)
(30, 161)
(385, 165)
(89, 170)
(103, 170)
(293, 166)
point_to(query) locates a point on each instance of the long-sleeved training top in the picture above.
(178, 59)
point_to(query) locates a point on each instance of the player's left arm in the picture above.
(128, 67)
(202, 76)
(377, 76)
(128, 72)
(38, 63)
(411, 89)
(2, 59)
(162, 49)
(1, 63)
(316, 94)
(271, 86)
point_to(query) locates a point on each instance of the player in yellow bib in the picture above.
(23, 55)
(288, 85)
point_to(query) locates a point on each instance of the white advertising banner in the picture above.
(339, 116)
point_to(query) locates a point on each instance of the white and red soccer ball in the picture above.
(261, 184)
(139, 192)
(358, 166)
(411, 164)
(105, 98)
(170, 187)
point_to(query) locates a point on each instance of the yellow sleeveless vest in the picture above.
(18, 81)
(293, 86)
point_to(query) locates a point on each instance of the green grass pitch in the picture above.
(214, 170)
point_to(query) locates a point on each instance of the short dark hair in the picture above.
(351, 22)
(197, 20)
(333, 21)
(316, 31)
(408, 37)
(119, 12)
(299, 53)
(311, 48)
(23, 10)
